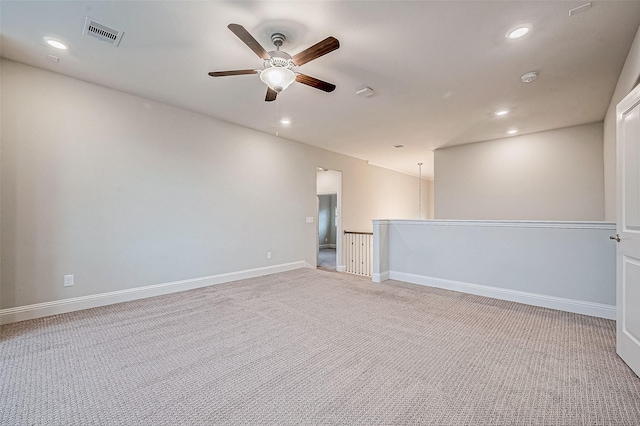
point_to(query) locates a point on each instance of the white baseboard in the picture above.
(341, 268)
(324, 246)
(568, 305)
(55, 307)
(378, 278)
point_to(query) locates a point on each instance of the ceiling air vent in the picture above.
(102, 32)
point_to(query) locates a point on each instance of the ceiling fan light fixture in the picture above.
(277, 73)
(277, 78)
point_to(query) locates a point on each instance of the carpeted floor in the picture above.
(312, 347)
(327, 259)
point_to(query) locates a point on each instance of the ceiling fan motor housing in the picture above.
(278, 39)
(279, 59)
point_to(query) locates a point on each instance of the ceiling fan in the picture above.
(278, 72)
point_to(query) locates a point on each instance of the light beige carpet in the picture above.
(313, 347)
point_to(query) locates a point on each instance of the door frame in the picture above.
(627, 344)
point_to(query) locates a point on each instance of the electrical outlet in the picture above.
(68, 280)
(268, 255)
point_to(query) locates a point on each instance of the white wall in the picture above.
(124, 192)
(326, 220)
(553, 175)
(569, 266)
(431, 194)
(328, 182)
(626, 82)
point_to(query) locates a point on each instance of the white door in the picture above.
(628, 228)
(317, 231)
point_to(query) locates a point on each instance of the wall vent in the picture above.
(102, 32)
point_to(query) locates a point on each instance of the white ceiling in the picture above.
(439, 69)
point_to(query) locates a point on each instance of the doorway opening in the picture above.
(329, 220)
(327, 231)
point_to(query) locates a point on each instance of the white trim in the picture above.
(502, 223)
(569, 305)
(378, 278)
(341, 268)
(324, 246)
(39, 310)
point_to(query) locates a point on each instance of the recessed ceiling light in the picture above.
(55, 43)
(503, 112)
(511, 132)
(365, 92)
(285, 121)
(529, 77)
(519, 31)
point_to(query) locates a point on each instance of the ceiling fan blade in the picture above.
(271, 95)
(248, 39)
(327, 45)
(234, 72)
(314, 82)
